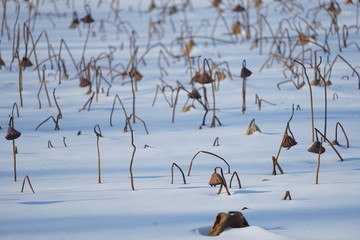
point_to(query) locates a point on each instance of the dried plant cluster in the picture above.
(299, 45)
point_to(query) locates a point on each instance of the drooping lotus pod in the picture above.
(216, 179)
(25, 62)
(315, 148)
(75, 21)
(135, 74)
(303, 39)
(188, 47)
(194, 94)
(87, 19)
(216, 3)
(238, 8)
(288, 142)
(84, 82)
(245, 72)
(12, 133)
(235, 28)
(252, 128)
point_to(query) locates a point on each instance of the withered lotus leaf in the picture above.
(12, 133)
(315, 148)
(216, 179)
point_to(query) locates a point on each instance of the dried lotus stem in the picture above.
(113, 107)
(15, 106)
(172, 173)
(213, 154)
(56, 121)
(237, 177)
(50, 144)
(287, 195)
(98, 134)
(216, 142)
(335, 142)
(337, 153)
(13, 134)
(23, 184)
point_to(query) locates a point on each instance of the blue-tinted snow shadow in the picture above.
(40, 202)
(242, 191)
(141, 177)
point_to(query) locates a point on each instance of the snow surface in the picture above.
(69, 203)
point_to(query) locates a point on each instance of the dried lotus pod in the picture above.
(315, 148)
(288, 142)
(75, 21)
(135, 74)
(238, 8)
(188, 47)
(258, 3)
(245, 72)
(303, 39)
(348, 2)
(237, 220)
(252, 128)
(216, 179)
(87, 19)
(84, 82)
(194, 94)
(201, 78)
(12, 133)
(152, 6)
(25, 62)
(172, 10)
(216, 3)
(315, 82)
(335, 143)
(333, 9)
(235, 28)
(2, 63)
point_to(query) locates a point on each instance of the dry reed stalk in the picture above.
(23, 184)
(113, 108)
(210, 153)
(172, 173)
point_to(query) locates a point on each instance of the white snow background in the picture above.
(69, 203)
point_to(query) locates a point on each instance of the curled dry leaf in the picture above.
(84, 82)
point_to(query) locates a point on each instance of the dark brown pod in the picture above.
(245, 72)
(87, 19)
(84, 82)
(12, 134)
(288, 142)
(25, 62)
(216, 179)
(315, 148)
(194, 94)
(238, 8)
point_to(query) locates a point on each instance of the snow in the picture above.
(69, 203)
